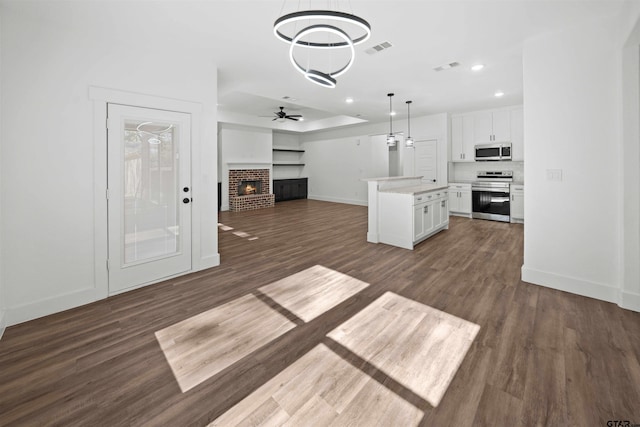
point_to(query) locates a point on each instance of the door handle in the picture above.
(186, 200)
(185, 189)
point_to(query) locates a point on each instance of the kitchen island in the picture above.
(403, 211)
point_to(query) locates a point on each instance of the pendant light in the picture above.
(391, 138)
(409, 141)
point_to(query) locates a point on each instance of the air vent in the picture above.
(447, 66)
(288, 98)
(378, 48)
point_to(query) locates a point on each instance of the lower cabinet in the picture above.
(405, 220)
(517, 203)
(460, 199)
(290, 189)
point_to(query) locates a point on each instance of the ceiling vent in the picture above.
(447, 66)
(288, 98)
(378, 48)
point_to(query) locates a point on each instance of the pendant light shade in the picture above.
(391, 138)
(409, 141)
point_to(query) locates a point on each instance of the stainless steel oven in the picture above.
(490, 197)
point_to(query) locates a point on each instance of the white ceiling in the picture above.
(255, 73)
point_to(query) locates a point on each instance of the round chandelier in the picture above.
(321, 30)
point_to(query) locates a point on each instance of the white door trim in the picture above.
(101, 97)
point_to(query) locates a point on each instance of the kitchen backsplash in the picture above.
(468, 171)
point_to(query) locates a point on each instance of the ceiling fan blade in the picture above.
(274, 119)
(294, 115)
(292, 118)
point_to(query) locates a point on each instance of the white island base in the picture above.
(403, 211)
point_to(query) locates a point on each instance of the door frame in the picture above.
(101, 97)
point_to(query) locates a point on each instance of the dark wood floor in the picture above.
(542, 357)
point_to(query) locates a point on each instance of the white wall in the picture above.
(572, 122)
(48, 151)
(337, 160)
(243, 147)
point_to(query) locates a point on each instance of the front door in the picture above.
(149, 195)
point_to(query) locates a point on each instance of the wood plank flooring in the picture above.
(541, 357)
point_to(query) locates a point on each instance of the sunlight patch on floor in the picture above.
(203, 345)
(313, 291)
(416, 345)
(320, 389)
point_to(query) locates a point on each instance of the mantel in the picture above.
(248, 165)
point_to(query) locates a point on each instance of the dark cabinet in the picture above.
(290, 189)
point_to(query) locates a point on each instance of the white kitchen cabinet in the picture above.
(460, 199)
(517, 135)
(407, 217)
(517, 203)
(462, 139)
(492, 126)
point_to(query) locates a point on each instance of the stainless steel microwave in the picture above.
(493, 152)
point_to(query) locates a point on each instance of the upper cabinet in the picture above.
(486, 127)
(462, 139)
(492, 126)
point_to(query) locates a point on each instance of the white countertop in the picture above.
(391, 178)
(416, 189)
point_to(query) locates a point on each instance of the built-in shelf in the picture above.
(288, 164)
(290, 150)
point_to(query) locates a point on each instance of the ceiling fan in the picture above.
(282, 116)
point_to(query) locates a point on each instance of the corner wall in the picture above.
(3, 319)
(572, 116)
(630, 161)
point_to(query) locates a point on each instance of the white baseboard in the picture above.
(208, 262)
(570, 284)
(630, 301)
(337, 200)
(47, 306)
(3, 323)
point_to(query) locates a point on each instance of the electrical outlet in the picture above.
(554, 174)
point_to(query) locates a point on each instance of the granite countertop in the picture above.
(416, 189)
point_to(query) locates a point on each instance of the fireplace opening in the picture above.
(246, 188)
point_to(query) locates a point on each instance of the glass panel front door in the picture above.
(149, 195)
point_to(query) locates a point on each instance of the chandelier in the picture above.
(315, 33)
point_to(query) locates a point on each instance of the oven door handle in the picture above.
(491, 189)
(499, 199)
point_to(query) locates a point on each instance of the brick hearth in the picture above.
(253, 201)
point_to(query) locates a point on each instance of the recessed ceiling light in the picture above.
(477, 67)
(499, 94)
(349, 100)
(301, 119)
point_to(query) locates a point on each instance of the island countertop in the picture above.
(415, 189)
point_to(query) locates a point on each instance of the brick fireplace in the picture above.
(249, 202)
